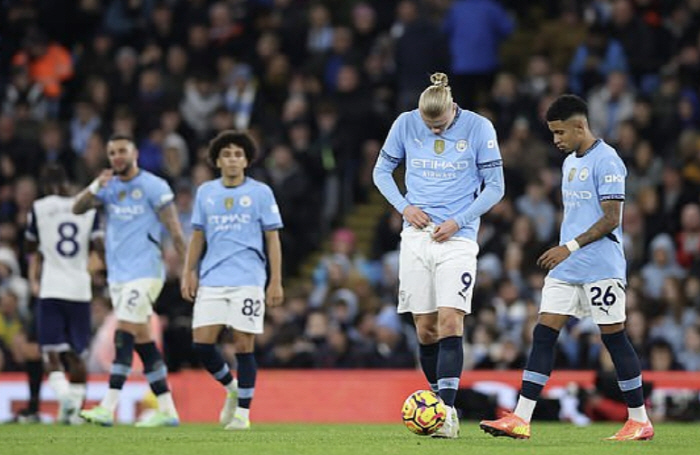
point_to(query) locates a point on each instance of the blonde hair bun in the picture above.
(439, 79)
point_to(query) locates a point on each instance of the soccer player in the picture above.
(224, 271)
(135, 203)
(586, 271)
(454, 174)
(59, 246)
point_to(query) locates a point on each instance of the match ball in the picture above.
(423, 412)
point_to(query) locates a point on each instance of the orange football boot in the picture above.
(509, 425)
(634, 431)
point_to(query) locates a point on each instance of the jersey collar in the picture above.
(588, 150)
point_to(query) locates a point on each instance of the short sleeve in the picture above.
(488, 154)
(198, 215)
(160, 194)
(269, 211)
(610, 179)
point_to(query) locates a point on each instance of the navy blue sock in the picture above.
(428, 354)
(153, 367)
(213, 362)
(124, 353)
(247, 370)
(629, 371)
(35, 372)
(540, 362)
(449, 368)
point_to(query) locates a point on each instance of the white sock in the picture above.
(638, 414)
(232, 386)
(77, 393)
(243, 413)
(525, 408)
(166, 404)
(59, 384)
(111, 399)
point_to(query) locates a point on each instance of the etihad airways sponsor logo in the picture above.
(577, 195)
(441, 165)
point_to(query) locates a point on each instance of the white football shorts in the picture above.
(133, 300)
(603, 300)
(433, 274)
(239, 307)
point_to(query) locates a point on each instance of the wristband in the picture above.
(572, 245)
(94, 187)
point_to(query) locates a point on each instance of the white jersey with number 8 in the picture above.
(64, 241)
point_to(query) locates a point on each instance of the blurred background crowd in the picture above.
(318, 84)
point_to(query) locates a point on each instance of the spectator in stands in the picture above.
(85, 121)
(690, 354)
(475, 29)
(672, 314)
(611, 104)
(22, 89)
(640, 43)
(688, 239)
(48, 63)
(595, 59)
(645, 169)
(419, 48)
(201, 98)
(661, 357)
(662, 264)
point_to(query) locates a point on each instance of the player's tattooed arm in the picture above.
(168, 216)
(87, 199)
(605, 225)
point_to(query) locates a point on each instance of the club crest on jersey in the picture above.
(461, 145)
(122, 195)
(136, 194)
(228, 203)
(583, 175)
(572, 173)
(246, 201)
(439, 146)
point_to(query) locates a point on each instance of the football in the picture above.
(423, 412)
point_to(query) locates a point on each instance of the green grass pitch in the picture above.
(314, 439)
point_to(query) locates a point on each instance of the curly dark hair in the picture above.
(565, 107)
(228, 137)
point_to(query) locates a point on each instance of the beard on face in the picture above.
(125, 171)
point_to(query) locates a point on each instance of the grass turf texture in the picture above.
(313, 439)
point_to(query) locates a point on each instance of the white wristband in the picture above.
(572, 245)
(94, 187)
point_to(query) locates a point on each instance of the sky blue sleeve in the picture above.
(160, 194)
(270, 212)
(391, 155)
(610, 179)
(490, 170)
(198, 217)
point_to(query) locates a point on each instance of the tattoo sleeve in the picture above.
(605, 225)
(85, 201)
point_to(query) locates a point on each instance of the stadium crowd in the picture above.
(318, 83)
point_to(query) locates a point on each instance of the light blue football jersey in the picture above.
(597, 176)
(234, 220)
(133, 230)
(444, 173)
